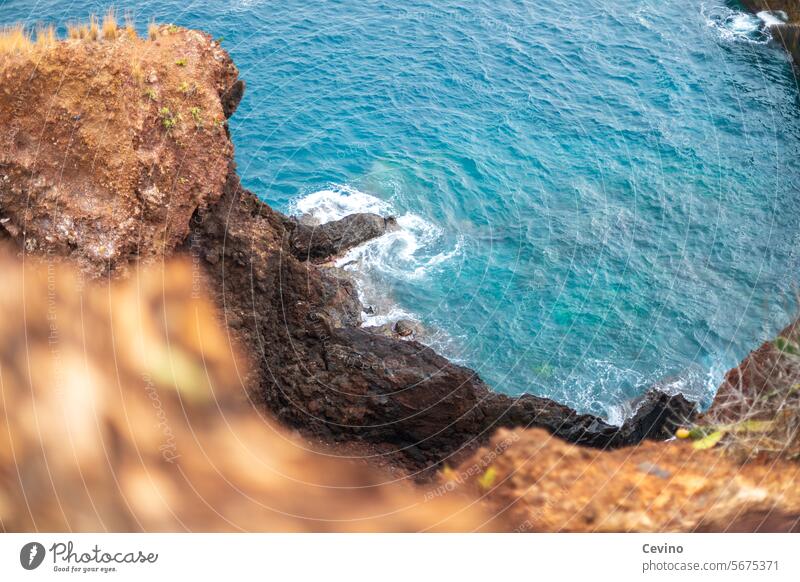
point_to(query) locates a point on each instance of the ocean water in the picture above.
(595, 196)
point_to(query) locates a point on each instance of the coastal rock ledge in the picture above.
(127, 159)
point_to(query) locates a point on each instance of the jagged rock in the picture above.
(404, 328)
(657, 416)
(336, 237)
(322, 375)
(407, 328)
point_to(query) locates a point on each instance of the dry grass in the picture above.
(93, 32)
(74, 30)
(46, 37)
(130, 27)
(110, 25)
(152, 30)
(15, 39)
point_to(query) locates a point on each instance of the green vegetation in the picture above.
(197, 115)
(168, 119)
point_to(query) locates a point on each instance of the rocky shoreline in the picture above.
(788, 34)
(121, 173)
(322, 373)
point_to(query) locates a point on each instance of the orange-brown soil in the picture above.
(534, 482)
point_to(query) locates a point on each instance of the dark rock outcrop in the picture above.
(323, 241)
(657, 417)
(404, 328)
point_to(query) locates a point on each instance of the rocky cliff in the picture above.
(123, 409)
(118, 153)
(109, 146)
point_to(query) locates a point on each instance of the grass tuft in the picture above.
(110, 25)
(168, 119)
(130, 26)
(15, 39)
(152, 30)
(93, 31)
(46, 37)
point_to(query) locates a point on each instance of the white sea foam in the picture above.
(408, 253)
(697, 383)
(337, 202)
(737, 26)
(772, 17)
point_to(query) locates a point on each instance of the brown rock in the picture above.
(99, 164)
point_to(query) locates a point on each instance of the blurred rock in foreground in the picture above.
(123, 409)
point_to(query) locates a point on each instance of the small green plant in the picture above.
(184, 87)
(486, 481)
(168, 119)
(181, 62)
(787, 346)
(172, 28)
(151, 94)
(197, 115)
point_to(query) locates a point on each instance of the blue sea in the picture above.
(595, 196)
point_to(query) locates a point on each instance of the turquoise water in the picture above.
(595, 196)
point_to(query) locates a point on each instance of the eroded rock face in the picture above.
(763, 383)
(108, 147)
